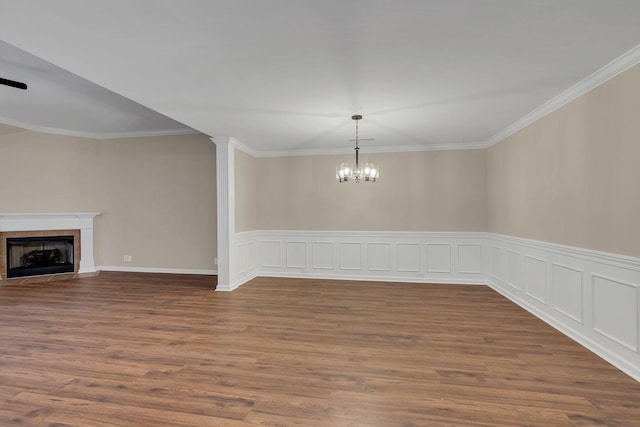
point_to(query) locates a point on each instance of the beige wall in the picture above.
(152, 192)
(573, 176)
(420, 191)
(570, 178)
(246, 214)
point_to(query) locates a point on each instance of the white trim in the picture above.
(95, 135)
(373, 234)
(239, 146)
(364, 150)
(604, 74)
(156, 270)
(33, 216)
(228, 274)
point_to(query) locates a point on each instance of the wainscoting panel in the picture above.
(438, 258)
(296, 254)
(247, 245)
(497, 263)
(323, 255)
(350, 256)
(383, 256)
(593, 297)
(408, 257)
(270, 253)
(615, 311)
(535, 278)
(567, 291)
(469, 259)
(379, 256)
(514, 269)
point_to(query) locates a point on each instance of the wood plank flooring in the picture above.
(125, 349)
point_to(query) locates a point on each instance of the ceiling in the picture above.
(58, 101)
(285, 76)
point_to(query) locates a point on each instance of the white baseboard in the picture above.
(237, 283)
(390, 279)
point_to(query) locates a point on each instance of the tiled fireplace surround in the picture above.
(78, 225)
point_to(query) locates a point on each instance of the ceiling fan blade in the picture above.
(13, 83)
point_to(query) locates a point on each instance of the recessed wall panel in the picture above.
(322, 255)
(497, 266)
(535, 278)
(243, 257)
(270, 253)
(408, 257)
(378, 256)
(350, 256)
(615, 311)
(297, 254)
(513, 278)
(567, 291)
(439, 258)
(470, 259)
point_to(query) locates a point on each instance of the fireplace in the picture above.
(50, 225)
(35, 256)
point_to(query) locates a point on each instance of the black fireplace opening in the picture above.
(34, 256)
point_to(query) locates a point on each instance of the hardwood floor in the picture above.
(130, 349)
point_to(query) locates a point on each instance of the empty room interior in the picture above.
(320, 213)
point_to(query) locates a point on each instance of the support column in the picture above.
(225, 184)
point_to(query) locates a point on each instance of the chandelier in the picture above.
(367, 171)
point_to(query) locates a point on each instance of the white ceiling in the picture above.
(286, 75)
(57, 101)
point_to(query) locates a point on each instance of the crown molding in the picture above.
(609, 71)
(367, 150)
(95, 135)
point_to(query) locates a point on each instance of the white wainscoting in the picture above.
(381, 256)
(247, 246)
(591, 296)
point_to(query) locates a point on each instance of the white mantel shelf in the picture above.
(40, 221)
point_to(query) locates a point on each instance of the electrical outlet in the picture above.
(127, 258)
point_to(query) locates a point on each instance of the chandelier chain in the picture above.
(367, 172)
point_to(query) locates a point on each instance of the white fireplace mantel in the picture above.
(82, 221)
